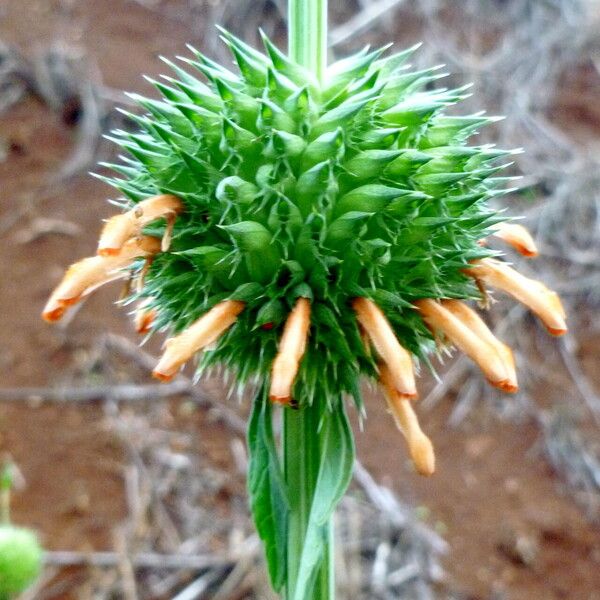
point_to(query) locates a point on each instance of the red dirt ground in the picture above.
(489, 489)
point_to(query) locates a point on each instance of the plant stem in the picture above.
(307, 34)
(301, 446)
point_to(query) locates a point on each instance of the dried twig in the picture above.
(117, 393)
(143, 560)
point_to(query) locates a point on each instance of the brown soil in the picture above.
(492, 496)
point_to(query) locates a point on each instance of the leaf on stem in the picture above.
(335, 473)
(266, 487)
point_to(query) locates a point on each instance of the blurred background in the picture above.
(138, 490)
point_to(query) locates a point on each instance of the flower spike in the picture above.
(83, 277)
(419, 445)
(518, 237)
(120, 228)
(534, 294)
(464, 328)
(291, 350)
(206, 330)
(359, 191)
(382, 337)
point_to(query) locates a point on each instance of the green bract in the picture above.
(20, 560)
(360, 186)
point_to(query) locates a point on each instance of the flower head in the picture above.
(307, 234)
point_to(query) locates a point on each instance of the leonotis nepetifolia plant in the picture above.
(307, 226)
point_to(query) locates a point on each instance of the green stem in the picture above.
(302, 451)
(307, 34)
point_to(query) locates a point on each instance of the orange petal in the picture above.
(474, 322)
(120, 228)
(207, 329)
(144, 317)
(382, 337)
(83, 277)
(518, 237)
(290, 352)
(469, 333)
(535, 295)
(419, 445)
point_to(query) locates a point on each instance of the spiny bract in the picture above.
(359, 186)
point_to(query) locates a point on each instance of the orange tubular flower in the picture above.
(387, 346)
(518, 237)
(290, 352)
(207, 329)
(85, 276)
(474, 322)
(465, 329)
(535, 295)
(144, 317)
(419, 445)
(120, 228)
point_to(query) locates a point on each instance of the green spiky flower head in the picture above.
(304, 233)
(360, 186)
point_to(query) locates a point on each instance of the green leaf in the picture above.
(268, 499)
(336, 460)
